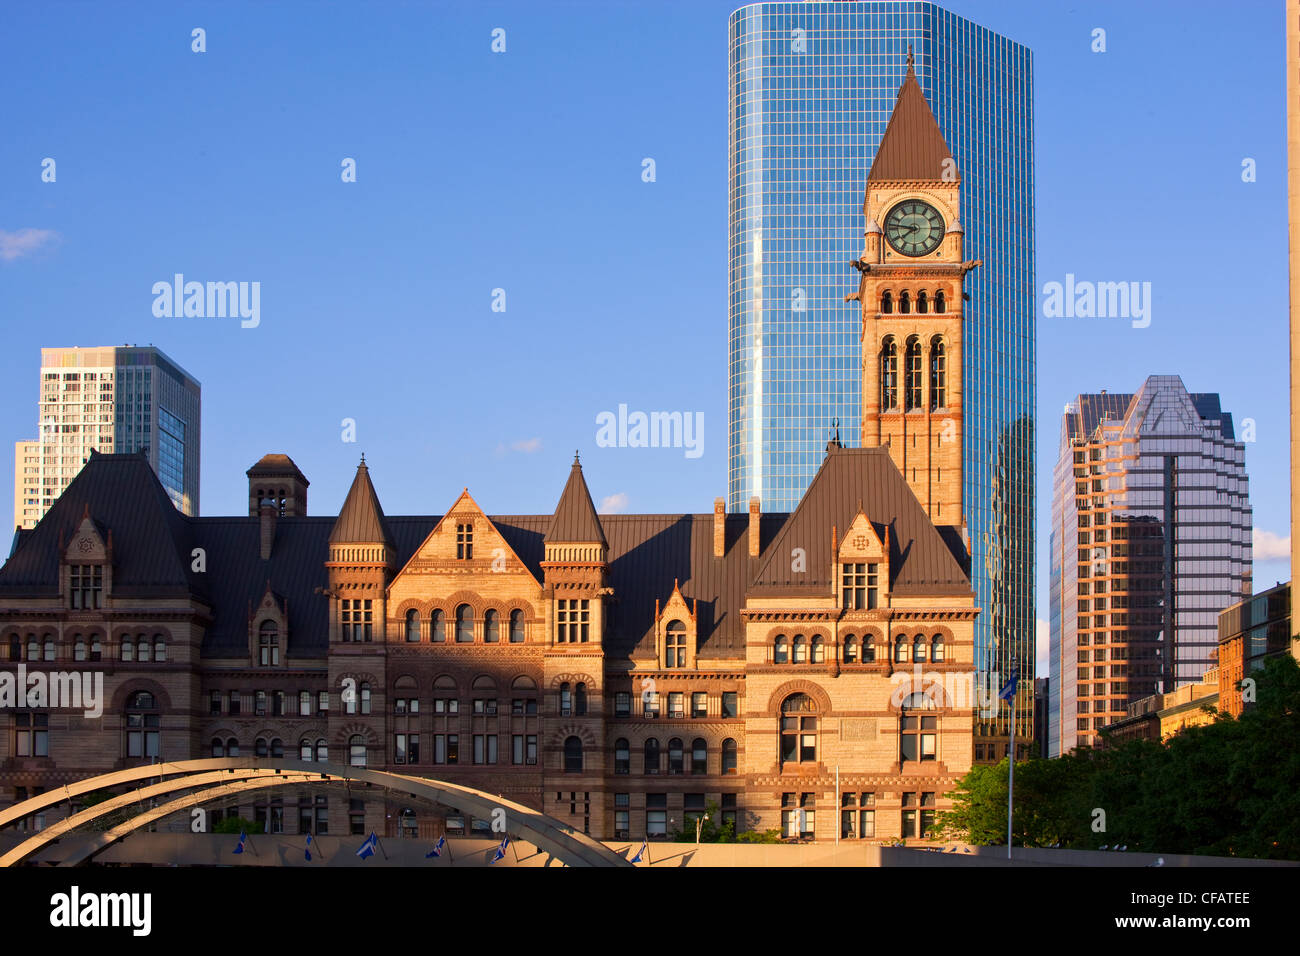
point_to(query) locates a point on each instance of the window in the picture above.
(651, 764)
(96, 648)
(699, 704)
(904, 302)
(232, 747)
(860, 586)
(491, 627)
(818, 650)
(622, 704)
(572, 621)
(675, 654)
(699, 756)
(34, 648)
(143, 722)
(15, 648)
(86, 583)
(868, 649)
(406, 748)
(356, 618)
(936, 649)
(218, 747)
(356, 751)
(918, 649)
(580, 699)
(918, 733)
(304, 751)
(888, 375)
(622, 826)
(438, 627)
(780, 653)
(322, 751)
(798, 730)
(566, 700)
(886, 302)
(650, 703)
(676, 704)
(850, 649)
(304, 703)
(464, 624)
(912, 373)
(729, 756)
(622, 756)
(78, 648)
(799, 650)
(159, 648)
(922, 302)
(214, 702)
(938, 375)
(676, 756)
(141, 649)
(730, 704)
(412, 626)
(268, 644)
(900, 650)
(572, 755)
(260, 747)
(516, 626)
(259, 703)
(940, 305)
(464, 542)
(48, 648)
(33, 734)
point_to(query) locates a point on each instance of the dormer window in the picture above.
(861, 586)
(573, 621)
(675, 654)
(464, 542)
(86, 585)
(268, 644)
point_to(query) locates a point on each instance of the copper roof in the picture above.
(277, 465)
(913, 146)
(575, 517)
(361, 520)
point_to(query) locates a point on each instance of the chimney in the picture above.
(719, 527)
(753, 527)
(266, 512)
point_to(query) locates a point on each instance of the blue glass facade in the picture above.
(812, 87)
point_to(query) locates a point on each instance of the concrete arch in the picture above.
(547, 834)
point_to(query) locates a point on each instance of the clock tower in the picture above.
(910, 292)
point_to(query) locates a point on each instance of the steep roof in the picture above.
(920, 562)
(575, 516)
(361, 519)
(913, 146)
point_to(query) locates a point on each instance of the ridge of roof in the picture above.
(575, 516)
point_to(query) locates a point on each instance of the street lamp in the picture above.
(699, 824)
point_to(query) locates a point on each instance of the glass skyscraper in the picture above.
(812, 86)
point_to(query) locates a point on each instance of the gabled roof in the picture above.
(920, 562)
(575, 517)
(913, 146)
(361, 520)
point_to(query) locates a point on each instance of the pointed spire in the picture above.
(361, 520)
(575, 517)
(913, 146)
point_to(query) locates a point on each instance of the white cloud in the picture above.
(613, 504)
(14, 245)
(1043, 648)
(1267, 546)
(527, 445)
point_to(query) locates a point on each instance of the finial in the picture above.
(575, 456)
(909, 56)
(363, 458)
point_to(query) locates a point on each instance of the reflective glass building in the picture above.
(1150, 541)
(812, 86)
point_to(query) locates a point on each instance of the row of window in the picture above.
(799, 650)
(651, 701)
(912, 362)
(652, 756)
(923, 302)
(357, 625)
(137, 648)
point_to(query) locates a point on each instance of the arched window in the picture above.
(728, 756)
(412, 626)
(699, 756)
(850, 649)
(142, 649)
(818, 650)
(580, 700)
(218, 748)
(912, 373)
(96, 648)
(922, 302)
(492, 627)
(938, 375)
(127, 652)
(322, 751)
(651, 756)
(918, 649)
(160, 648)
(78, 648)
(15, 647)
(936, 649)
(800, 650)
(868, 649)
(49, 649)
(904, 303)
(232, 747)
(356, 751)
(888, 375)
(622, 756)
(464, 624)
(260, 749)
(268, 644)
(277, 747)
(516, 626)
(143, 723)
(798, 730)
(572, 755)
(676, 756)
(886, 302)
(918, 732)
(675, 655)
(304, 751)
(438, 626)
(780, 651)
(940, 304)
(900, 650)
(566, 700)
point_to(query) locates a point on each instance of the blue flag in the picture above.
(640, 852)
(240, 847)
(307, 849)
(501, 850)
(1008, 691)
(368, 848)
(437, 848)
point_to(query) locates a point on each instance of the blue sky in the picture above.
(522, 171)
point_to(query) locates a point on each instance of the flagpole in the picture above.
(1011, 764)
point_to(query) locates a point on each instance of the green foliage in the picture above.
(753, 836)
(1227, 788)
(236, 825)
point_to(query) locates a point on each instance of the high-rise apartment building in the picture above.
(112, 400)
(812, 86)
(1151, 539)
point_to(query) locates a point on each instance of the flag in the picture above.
(1008, 691)
(368, 848)
(437, 848)
(242, 837)
(501, 850)
(640, 852)
(307, 849)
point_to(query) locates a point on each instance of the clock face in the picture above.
(914, 228)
